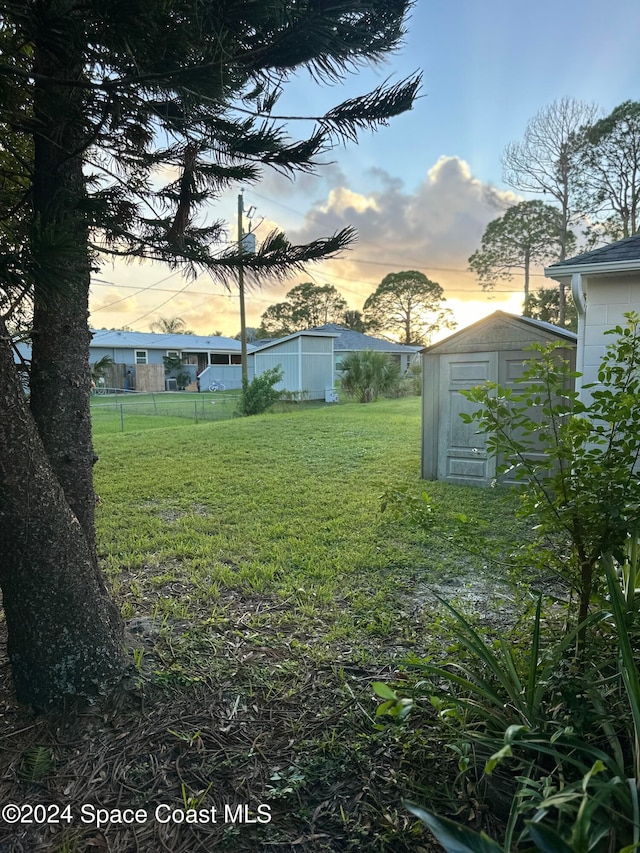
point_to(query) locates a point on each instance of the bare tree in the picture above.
(544, 162)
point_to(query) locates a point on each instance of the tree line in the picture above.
(406, 305)
(589, 168)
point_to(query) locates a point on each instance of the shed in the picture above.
(605, 284)
(306, 359)
(492, 350)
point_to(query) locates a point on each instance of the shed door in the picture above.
(462, 454)
(512, 367)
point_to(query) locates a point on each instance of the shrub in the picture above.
(259, 395)
(553, 721)
(577, 461)
(174, 367)
(366, 375)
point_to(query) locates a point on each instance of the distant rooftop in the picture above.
(349, 341)
(155, 340)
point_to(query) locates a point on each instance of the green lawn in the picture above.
(265, 590)
(134, 412)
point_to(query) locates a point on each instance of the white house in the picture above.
(140, 355)
(605, 284)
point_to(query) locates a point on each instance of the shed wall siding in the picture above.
(316, 345)
(288, 361)
(317, 374)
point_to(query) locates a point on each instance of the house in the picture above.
(605, 284)
(139, 356)
(348, 341)
(306, 359)
(494, 349)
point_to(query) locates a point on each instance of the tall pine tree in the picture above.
(100, 99)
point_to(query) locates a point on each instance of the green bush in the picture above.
(259, 395)
(577, 461)
(366, 375)
(174, 367)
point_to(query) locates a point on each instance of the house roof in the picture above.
(153, 340)
(482, 326)
(622, 256)
(349, 341)
(265, 343)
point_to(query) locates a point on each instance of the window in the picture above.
(218, 358)
(236, 359)
(173, 353)
(141, 356)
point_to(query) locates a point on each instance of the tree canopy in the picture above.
(408, 304)
(608, 155)
(544, 304)
(121, 123)
(306, 305)
(171, 326)
(527, 234)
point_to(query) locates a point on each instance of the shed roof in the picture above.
(349, 341)
(501, 330)
(154, 340)
(622, 256)
(265, 343)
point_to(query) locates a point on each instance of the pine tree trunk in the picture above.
(60, 375)
(526, 309)
(64, 632)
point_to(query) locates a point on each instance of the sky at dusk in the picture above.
(421, 191)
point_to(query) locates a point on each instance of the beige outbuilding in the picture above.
(492, 350)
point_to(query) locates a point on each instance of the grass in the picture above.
(135, 412)
(264, 591)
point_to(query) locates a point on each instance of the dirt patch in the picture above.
(488, 602)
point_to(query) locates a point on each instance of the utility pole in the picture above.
(243, 318)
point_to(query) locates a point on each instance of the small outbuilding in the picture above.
(492, 350)
(306, 360)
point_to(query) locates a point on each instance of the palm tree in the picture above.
(171, 326)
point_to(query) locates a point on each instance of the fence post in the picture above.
(155, 408)
(195, 410)
(121, 418)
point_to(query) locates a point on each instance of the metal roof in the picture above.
(265, 343)
(154, 340)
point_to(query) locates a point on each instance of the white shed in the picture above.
(306, 359)
(605, 284)
(492, 350)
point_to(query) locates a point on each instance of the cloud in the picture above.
(433, 227)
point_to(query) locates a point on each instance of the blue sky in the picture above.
(416, 190)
